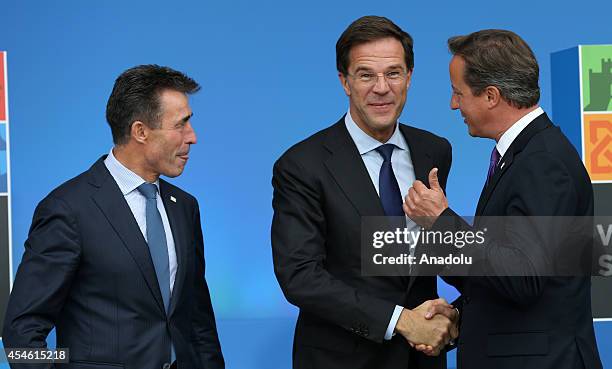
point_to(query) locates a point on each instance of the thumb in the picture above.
(433, 180)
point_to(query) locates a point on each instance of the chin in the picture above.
(382, 123)
(173, 173)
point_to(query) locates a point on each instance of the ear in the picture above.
(409, 78)
(139, 131)
(493, 96)
(344, 82)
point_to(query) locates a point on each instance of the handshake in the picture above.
(430, 326)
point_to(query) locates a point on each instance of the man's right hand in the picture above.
(434, 331)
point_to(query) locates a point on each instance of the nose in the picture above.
(382, 86)
(454, 105)
(190, 135)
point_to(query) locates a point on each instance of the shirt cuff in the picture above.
(393, 322)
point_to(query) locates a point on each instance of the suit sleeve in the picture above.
(205, 338)
(515, 266)
(445, 165)
(49, 263)
(299, 253)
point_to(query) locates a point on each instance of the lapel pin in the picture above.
(502, 166)
(172, 198)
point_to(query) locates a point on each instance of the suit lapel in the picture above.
(540, 123)
(111, 203)
(178, 224)
(422, 164)
(349, 171)
(419, 153)
(347, 167)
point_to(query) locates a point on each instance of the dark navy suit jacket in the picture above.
(87, 272)
(321, 192)
(533, 321)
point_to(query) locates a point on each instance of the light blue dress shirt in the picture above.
(128, 183)
(402, 167)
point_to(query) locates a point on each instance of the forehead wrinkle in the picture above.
(374, 61)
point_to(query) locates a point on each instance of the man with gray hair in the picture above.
(530, 321)
(114, 259)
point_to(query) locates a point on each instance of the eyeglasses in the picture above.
(370, 78)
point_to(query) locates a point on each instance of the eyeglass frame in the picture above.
(402, 75)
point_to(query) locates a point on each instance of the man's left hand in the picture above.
(424, 205)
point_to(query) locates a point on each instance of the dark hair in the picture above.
(135, 97)
(367, 29)
(502, 59)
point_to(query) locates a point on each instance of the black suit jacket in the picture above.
(87, 271)
(533, 321)
(321, 191)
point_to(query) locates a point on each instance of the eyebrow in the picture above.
(186, 119)
(368, 69)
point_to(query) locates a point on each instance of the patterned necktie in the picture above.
(156, 239)
(492, 164)
(158, 247)
(389, 191)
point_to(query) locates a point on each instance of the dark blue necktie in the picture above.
(492, 164)
(388, 189)
(158, 247)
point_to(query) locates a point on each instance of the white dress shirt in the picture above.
(128, 183)
(512, 133)
(401, 162)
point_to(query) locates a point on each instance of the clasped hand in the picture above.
(430, 326)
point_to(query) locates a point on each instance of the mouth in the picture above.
(381, 106)
(184, 156)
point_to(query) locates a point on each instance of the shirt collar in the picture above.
(366, 143)
(126, 179)
(512, 133)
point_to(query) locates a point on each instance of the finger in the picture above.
(444, 310)
(423, 347)
(441, 301)
(429, 350)
(431, 311)
(433, 180)
(409, 200)
(419, 186)
(408, 208)
(413, 195)
(454, 332)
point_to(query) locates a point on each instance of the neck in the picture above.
(125, 154)
(509, 117)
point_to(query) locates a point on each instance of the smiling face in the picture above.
(167, 147)
(376, 106)
(474, 109)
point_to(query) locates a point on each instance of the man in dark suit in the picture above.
(114, 259)
(532, 319)
(324, 185)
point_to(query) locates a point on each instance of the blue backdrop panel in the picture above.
(566, 94)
